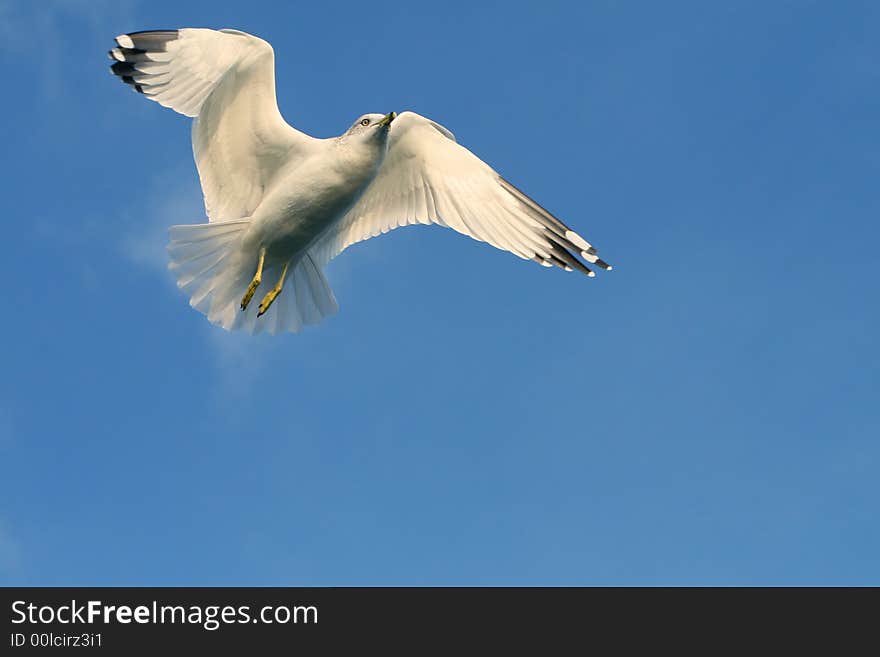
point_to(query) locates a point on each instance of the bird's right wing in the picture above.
(428, 178)
(226, 80)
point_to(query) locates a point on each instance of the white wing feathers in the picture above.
(226, 80)
(427, 177)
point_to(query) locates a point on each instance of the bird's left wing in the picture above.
(427, 178)
(225, 80)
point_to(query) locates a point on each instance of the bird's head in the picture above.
(370, 127)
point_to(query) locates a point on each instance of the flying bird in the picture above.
(281, 204)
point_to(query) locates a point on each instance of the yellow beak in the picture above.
(388, 118)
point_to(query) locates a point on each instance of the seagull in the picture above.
(281, 204)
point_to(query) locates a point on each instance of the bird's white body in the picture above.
(308, 198)
(281, 204)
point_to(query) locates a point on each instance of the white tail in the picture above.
(214, 271)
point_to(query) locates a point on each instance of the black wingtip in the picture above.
(122, 69)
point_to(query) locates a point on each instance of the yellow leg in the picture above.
(274, 292)
(255, 283)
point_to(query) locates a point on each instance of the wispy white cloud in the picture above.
(34, 25)
(240, 359)
(36, 29)
(176, 200)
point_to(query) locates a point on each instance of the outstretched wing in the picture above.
(226, 80)
(427, 178)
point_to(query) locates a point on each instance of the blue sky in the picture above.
(707, 413)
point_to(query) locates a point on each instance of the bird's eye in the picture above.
(365, 122)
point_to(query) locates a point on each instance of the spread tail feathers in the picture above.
(214, 271)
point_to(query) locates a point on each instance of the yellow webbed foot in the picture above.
(273, 293)
(255, 283)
